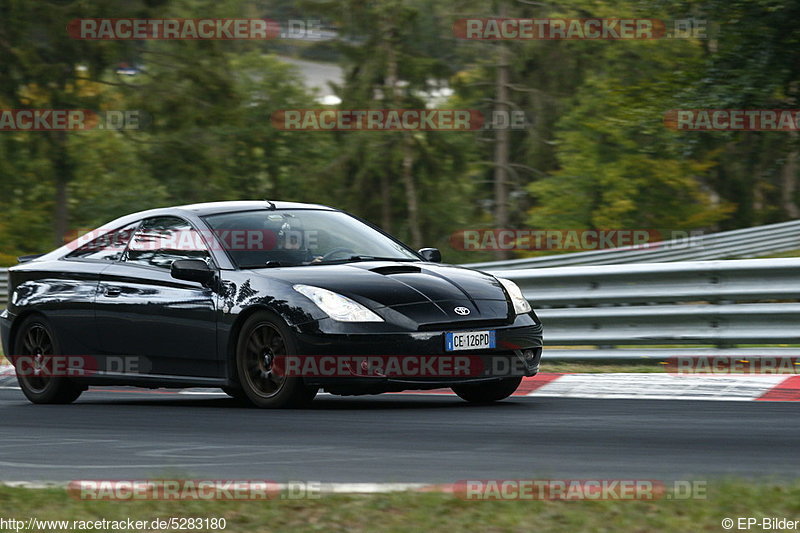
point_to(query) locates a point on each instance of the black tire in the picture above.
(36, 338)
(262, 337)
(488, 392)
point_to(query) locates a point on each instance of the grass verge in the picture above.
(410, 511)
(601, 368)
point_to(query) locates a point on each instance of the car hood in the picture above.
(422, 292)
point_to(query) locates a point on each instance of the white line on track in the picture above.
(627, 386)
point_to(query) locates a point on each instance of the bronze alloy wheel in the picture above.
(263, 346)
(264, 337)
(35, 347)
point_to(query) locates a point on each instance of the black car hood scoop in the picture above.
(391, 284)
(396, 269)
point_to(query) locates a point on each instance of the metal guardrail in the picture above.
(711, 303)
(740, 243)
(718, 304)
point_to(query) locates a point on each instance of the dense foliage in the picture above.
(595, 153)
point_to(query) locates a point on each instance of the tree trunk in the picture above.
(501, 147)
(62, 175)
(411, 192)
(394, 93)
(386, 202)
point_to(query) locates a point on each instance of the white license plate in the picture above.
(468, 340)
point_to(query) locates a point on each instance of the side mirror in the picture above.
(432, 255)
(193, 270)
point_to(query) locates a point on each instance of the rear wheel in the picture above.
(35, 348)
(263, 338)
(488, 392)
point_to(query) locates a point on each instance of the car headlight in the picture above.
(521, 305)
(336, 306)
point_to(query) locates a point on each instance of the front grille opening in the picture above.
(464, 324)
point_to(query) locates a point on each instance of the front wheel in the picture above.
(35, 347)
(488, 392)
(264, 338)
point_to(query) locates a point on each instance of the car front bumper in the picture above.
(517, 352)
(5, 331)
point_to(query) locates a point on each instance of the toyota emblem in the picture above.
(463, 311)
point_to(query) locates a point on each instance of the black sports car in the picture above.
(270, 301)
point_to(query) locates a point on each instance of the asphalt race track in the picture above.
(133, 434)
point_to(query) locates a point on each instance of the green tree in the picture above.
(620, 167)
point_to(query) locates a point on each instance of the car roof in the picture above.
(215, 208)
(201, 209)
(212, 208)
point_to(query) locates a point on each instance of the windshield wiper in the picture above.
(269, 264)
(358, 258)
(377, 258)
(351, 259)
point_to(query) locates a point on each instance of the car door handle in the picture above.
(113, 291)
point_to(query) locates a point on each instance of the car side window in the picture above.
(160, 241)
(107, 247)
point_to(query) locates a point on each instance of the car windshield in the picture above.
(299, 237)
